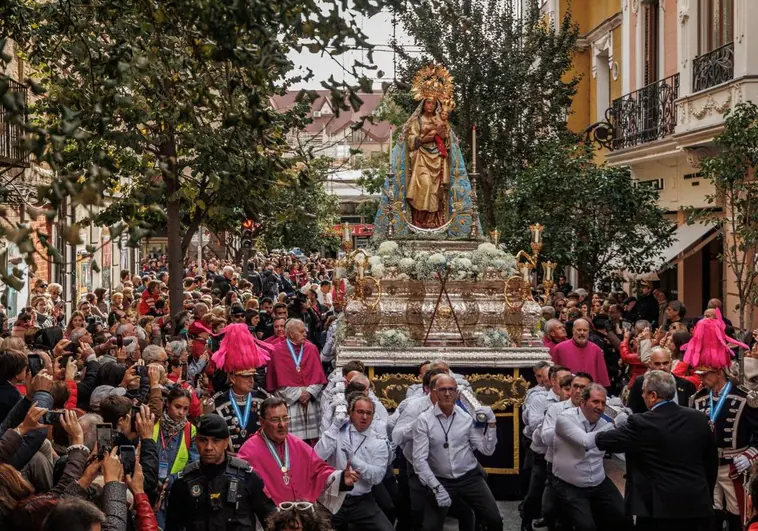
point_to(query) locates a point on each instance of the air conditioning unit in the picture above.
(317, 114)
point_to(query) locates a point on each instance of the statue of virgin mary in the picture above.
(428, 193)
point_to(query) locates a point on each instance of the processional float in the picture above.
(433, 287)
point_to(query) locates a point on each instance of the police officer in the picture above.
(219, 492)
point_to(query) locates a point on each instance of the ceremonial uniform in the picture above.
(734, 421)
(239, 429)
(224, 497)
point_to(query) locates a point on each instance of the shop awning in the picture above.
(685, 241)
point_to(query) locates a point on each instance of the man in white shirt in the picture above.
(534, 416)
(410, 486)
(546, 434)
(354, 442)
(361, 384)
(444, 440)
(588, 499)
(541, 370)
(324, 295)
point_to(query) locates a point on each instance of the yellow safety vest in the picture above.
(182, 455)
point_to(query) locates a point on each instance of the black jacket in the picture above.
(671, 462)
(684, 390)
(87, 385)
(9, 397)
(647, 308)
(223, 284)
(200, 499)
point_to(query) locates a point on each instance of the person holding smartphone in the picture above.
(175, 438)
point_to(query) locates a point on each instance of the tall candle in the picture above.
(473, 148)
(391, 131)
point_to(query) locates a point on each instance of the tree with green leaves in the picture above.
(731, 170)
(597, 219)
(511, 77)
(164, 107)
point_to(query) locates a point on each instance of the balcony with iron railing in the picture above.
(713, 68)
(12, 151)
(645, 115)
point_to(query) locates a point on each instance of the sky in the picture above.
(379, 31)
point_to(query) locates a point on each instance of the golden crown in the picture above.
(434, 82)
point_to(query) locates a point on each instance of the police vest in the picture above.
(182, 454)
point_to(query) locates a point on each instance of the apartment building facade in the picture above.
(659, 75)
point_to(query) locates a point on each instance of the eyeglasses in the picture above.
(238, 317)
(298, 506)
(447, 390)
(578, 386)
(278, 420)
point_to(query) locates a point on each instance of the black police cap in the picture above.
(212, 425)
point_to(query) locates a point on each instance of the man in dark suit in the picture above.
(660, 360)
(671, 461)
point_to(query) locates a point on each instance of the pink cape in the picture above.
(273, 340)
(587, 359)
(281, 370)
(308, 475)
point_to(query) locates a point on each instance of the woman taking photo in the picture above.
(175, 438)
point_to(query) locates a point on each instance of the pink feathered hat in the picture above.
(708, 350)
(239, 353)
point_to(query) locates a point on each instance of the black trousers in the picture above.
(362, 512)
(549, 498)
(473, 490)
(525, 467)
(673, 524)
(403, 501)
(532, 506)
(459, 510)
(385, 494)
(596, 508)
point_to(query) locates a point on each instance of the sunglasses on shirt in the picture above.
(297, 506)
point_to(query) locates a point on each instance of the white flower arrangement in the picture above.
(377, 270)
(487, 261)
(438, 261)
(406, 265)
(394, 339)
(388, 247)
(495, 338)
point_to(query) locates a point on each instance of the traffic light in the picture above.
(247, 234)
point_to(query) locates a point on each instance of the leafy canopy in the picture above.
(597, 218)
(731, 170)
(160, 111)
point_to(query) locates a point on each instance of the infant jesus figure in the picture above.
(441, 125)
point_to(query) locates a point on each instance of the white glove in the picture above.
(621, 419)
(741, 463)
(443, 498)
(487, 411)
(339, 419)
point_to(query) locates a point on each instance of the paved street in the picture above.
(614, 468)
(509, 510)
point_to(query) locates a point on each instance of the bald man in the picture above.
(660, 360)
(581, 355)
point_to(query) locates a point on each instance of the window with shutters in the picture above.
(716, 24)
(651, 41)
